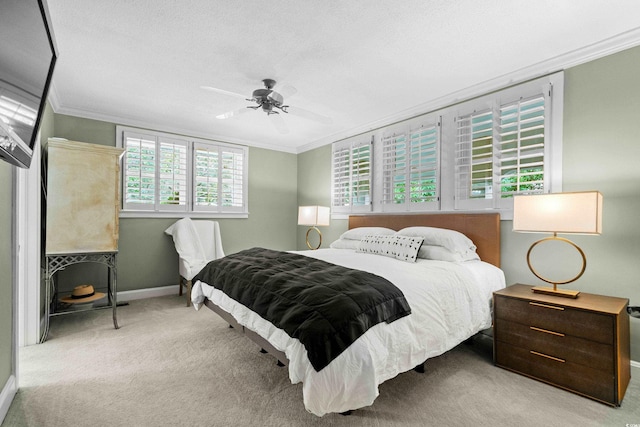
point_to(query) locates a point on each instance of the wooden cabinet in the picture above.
(581, 345)
(83, 203)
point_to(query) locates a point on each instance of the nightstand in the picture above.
(580, 345)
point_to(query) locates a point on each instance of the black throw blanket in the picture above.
(325, 306)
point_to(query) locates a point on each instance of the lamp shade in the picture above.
(313, 215)
(579, 213)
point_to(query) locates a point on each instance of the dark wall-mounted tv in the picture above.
(27, 59)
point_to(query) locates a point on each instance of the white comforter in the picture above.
(449, 302)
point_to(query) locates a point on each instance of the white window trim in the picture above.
(189, 210)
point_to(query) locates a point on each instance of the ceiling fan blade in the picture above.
(287, 90)
(278, 122)
(222, 91)
(233, 113)
(306, 114)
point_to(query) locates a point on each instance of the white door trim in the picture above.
(28, 231)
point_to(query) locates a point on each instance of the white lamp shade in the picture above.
(579, 212)
(313, 215)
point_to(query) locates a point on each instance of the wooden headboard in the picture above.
(483, 229)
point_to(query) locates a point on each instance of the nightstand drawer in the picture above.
(572, 349)
(569, 321)
(591, 382)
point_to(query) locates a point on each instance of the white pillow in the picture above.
(404, 248)
(359, 232)
(450, 239)
(345, 244)
(440, 253)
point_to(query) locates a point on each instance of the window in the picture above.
(473, 155)
(502, 150)
(163, 174)
(521, 133)
(352, 176)
(410, 169)
(219, 178)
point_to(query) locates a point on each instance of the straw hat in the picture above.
(82, 294)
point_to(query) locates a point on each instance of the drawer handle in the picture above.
(557, 359)
(546, 331)
(537, 304)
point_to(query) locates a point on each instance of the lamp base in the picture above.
(555, 292)
(307, 238)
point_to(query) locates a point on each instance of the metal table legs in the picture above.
(55, 263)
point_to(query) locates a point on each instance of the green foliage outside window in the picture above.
(530, 180)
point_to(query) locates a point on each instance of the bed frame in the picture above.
(483, 229)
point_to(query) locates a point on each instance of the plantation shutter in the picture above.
(139, 172)
(351, 166)
(341, 176)
(423, 167)
(232, 179)
(474, 160)
(500, 151)
(219, 178)
(410, 169)
(394, 170)
(172, 174)
(207, 171)
(522, 141)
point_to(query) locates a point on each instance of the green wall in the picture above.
(6, 275)
(601, 151)
(314, 188)
(146, 256)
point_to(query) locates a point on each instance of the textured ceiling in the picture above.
(362, 63)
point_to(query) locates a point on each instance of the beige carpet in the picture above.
(169, 365)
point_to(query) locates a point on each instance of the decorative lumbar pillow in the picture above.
(360, 232)
(440, 253)
(400, 247)
(450, 239)
(407, 248)
(375, 244)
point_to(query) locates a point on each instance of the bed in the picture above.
(450, 302)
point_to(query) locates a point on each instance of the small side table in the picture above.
(57, 262)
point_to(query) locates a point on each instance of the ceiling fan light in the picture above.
(276, 98)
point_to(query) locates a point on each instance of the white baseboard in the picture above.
(635, 364)
(6, 396)
(160, 291)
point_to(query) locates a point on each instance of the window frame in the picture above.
(190, 207)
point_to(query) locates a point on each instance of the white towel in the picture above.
(188, 244)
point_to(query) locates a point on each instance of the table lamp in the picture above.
(313, 216)
(565, 213)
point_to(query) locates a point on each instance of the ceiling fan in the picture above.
(272, 103)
